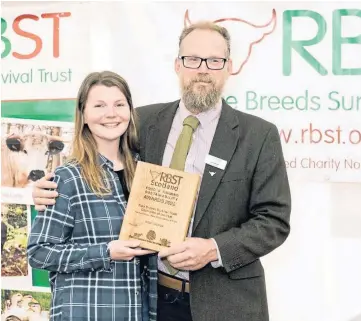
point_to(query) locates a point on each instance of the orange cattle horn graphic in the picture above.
(269, 27)
(264, 30)
(187, 21)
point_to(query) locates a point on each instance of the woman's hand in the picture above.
(126, 250)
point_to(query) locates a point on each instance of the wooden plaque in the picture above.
(160, 206)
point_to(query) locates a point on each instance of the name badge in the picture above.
(216, 162)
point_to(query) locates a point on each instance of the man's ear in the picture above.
(230, 66)
(177, 65)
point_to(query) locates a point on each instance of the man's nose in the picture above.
(203, 67)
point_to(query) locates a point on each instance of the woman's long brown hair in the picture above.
(84, 151)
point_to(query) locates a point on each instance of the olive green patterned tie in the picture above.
(184, 142)
(179, 157)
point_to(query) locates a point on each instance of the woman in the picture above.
(93, 275)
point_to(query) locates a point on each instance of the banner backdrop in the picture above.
(296, 64)
(44, 59)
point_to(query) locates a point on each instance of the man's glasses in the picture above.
(195, 62)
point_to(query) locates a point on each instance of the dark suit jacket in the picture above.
(245, 207)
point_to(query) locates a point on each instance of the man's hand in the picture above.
(41, 196)
(126, 250)
(193, 254)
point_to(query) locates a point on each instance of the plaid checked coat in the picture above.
(70, 239)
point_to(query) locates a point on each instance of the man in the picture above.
(243, 205)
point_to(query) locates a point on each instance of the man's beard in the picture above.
(202, 99)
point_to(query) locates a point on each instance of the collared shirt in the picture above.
(70, 239)
(201, 144)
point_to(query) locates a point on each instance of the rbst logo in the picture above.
(345, 26)
(298, 36)
(251, 33)
(154, 174)
(165, 178)
(19, 30)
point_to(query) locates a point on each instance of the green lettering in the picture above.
(6, 41)
(338, 41)
(232, 101)
(298, 45)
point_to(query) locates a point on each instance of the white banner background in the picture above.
(315, 275)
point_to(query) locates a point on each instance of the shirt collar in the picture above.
(103, 161)
(204, 117)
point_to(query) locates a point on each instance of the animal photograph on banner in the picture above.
(14, 234)
(30, 149)
(24, 305)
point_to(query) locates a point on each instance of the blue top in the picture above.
(70, 239)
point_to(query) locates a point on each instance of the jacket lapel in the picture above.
(223, 146)
(157, 133)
